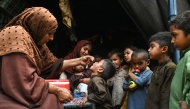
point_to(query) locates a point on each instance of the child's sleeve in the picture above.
(144, 78)
(99, 94)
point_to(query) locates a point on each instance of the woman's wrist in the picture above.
(53, 89)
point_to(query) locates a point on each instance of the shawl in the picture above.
(75, 53)
(24, 31)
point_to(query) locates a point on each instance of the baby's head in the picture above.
(140, 59)
(78, 68)
(105, 68)
(97, 58)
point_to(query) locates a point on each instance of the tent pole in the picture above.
(172, 11)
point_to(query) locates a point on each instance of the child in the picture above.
(74, 79)
(180, 86)
(137, 95)
(159, 89)
(98, 91)
(97, 57)
(127, 57)
(116, 56)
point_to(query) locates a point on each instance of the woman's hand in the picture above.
(86, 60)
(63, 94)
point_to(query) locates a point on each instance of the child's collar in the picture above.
(184, 51)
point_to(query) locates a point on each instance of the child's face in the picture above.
(138, 62)
(180, 41)
(127, 55)
(85, 50)
(79, 68)
(154, 50)
(96, 66)
(116, 60)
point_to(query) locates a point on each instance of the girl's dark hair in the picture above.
(182, 22)
(133, 48)
(88, 43)
(116, 51)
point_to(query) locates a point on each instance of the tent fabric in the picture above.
(151, 16)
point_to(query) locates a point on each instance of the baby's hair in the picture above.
(141, 52)
(116, 51)
(182, 22)
(109, 69)
(163, 39)
(133, 48)
(97, 56)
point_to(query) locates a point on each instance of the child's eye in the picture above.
(139, 63)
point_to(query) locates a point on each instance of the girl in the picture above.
(82, 48)
(116, 56)
(127, 57)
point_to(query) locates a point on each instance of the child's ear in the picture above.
(100, 69)
(164, 49)
(148, 62)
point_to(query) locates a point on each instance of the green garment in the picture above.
(180, 87)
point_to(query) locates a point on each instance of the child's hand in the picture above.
(127, 77)
(133, 89)
(82, 101)
(183, 104)
(84, 80)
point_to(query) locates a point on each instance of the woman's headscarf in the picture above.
(75, 53)
(24, 31)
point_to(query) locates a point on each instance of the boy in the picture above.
(180, 86)
(137, 95)
(159, 90)
(98, 91)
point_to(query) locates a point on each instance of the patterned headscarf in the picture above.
(24, 31)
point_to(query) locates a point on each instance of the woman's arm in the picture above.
(84, 60)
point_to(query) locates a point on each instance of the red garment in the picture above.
(75, 54)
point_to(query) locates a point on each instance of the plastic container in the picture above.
(63, 83)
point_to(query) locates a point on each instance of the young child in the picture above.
(128, 67)
(97, 57)
(180, 86)
(159, 89)
(79, 73)
(137, 95)
(116, 56)
(98, 91)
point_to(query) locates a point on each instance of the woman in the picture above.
(24, 58)
(82, 48)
